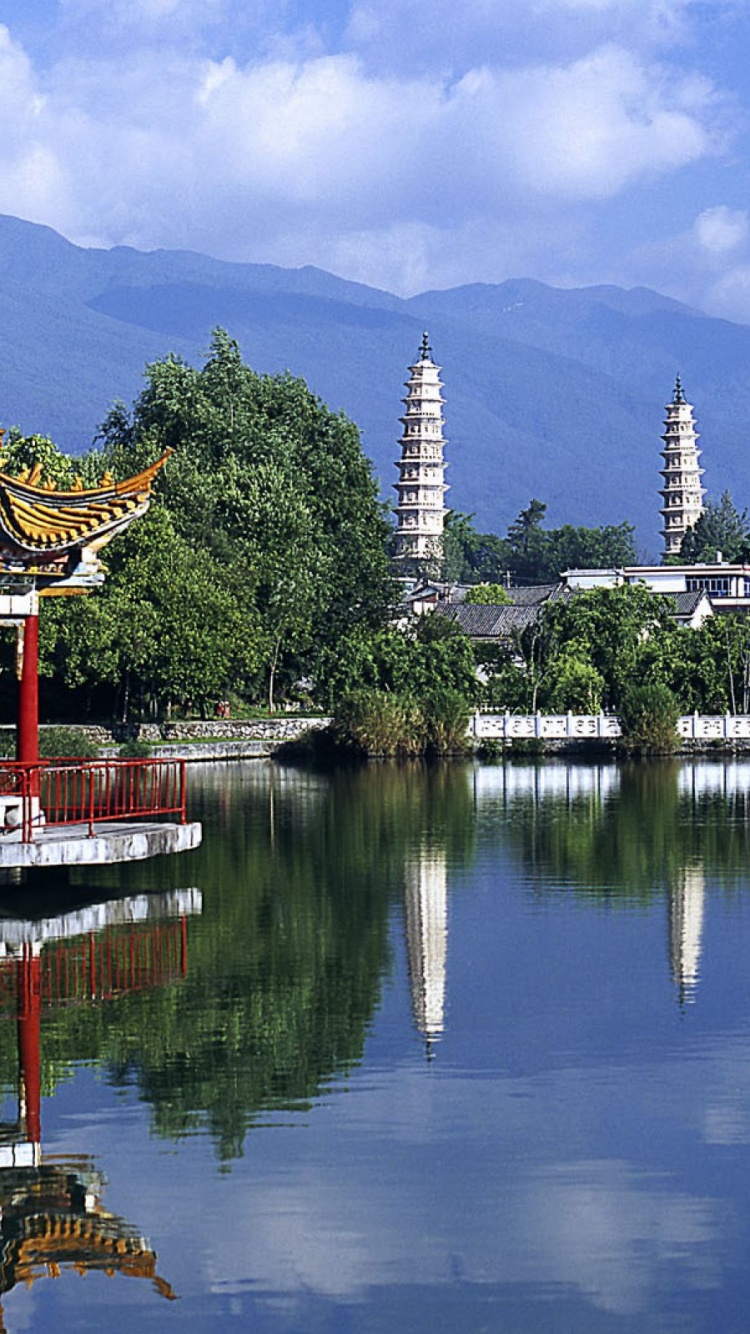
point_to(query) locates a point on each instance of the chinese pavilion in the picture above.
(421, 487)
(682, 492)
(50, 542)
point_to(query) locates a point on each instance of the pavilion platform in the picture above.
(115, 841)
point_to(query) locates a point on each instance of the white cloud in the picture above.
(706, 264)
(721, 229)
(247, 160)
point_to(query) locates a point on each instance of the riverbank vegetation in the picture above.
(261, 575)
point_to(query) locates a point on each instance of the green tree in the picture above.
(28, 452)
(484, 595)
(526, 540)
(469, 556)
(608, 629)
(275, 489)
(721, 527)
(168, 625)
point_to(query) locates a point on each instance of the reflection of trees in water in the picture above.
(631, 840)
(298, 873)
(662, 827)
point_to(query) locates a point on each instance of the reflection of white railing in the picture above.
(599, 726)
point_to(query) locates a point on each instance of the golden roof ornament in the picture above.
(57, 532)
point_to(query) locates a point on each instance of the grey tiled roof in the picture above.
(533, 595)
(686, 603)
(490, 622)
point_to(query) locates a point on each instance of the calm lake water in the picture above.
(400, 1049)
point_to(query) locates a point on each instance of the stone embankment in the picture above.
(214, 739)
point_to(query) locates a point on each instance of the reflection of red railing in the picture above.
(101, 966)
(88, 792)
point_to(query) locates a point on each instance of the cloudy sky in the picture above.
(405, 143)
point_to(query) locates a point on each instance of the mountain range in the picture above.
(550, 393)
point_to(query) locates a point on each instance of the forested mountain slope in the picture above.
(552, 393)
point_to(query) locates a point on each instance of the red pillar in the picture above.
(27, 739)
(29, 1003)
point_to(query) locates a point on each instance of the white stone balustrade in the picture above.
(599, 726)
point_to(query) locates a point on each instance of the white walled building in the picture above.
(682, 492)
(715, 587)
(421, 486)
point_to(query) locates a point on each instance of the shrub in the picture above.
(526, 748)
(490, 750)
(58, 743)
(134, 749)
(648, 718)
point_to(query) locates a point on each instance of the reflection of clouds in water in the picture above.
(595, 1226)
(726, 1117)
(609, 1232)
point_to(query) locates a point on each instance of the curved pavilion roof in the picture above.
(39, 521)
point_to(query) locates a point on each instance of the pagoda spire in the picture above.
(421, 487)
(682, 492)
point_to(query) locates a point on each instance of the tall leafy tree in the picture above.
(273, 487)
(721, 527)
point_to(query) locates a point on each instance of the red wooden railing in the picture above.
(89, 792)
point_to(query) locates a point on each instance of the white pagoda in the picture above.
(682, 492)
(421, 487)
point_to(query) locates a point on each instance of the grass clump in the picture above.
(648, 719)
(387, 724)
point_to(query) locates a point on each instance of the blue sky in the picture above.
(405, 143)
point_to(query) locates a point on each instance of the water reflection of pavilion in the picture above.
(426, 901)
(686, 910)
(51, 1216)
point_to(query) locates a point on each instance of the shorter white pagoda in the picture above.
(421, 487)
(682, 492)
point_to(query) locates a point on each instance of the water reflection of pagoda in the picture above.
(51, 1216)
(427, 939)
(686, 908)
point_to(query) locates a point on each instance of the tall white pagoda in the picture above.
(682, 492)
(421, 487)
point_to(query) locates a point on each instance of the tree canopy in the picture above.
(529, 552)
(720, 528)
(265, 544)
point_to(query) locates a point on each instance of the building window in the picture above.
(716, 585)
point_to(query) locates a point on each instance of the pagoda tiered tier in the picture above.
(682, 492)
(421, 487)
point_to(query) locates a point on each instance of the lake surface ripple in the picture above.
(463, 1048)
